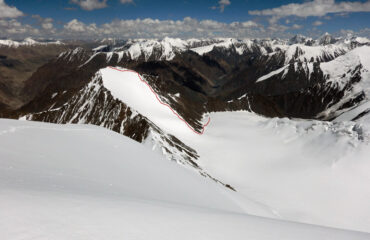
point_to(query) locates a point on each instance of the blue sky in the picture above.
(161, 9)
(72, 18)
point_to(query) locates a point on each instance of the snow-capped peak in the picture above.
(26, 42)
(299, 39)
(327, 39)
(29, 41)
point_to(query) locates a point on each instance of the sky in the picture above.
(93, 19)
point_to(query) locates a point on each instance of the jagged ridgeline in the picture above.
(301, 78)
(271, 77)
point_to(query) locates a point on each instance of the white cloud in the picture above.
(314, 8)
(7, 11)
(14, 28)
(277, 28)
(249, 24)
(145, 28)
(154, 28)
(75, 26)
(296, 26)
(45, 23)
(90, 4)
(317, 23)
(221, 5)
(127, 1)
(347, 32)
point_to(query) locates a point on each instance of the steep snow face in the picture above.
(273, 73)
(25, 42)
(84, 182)
(318, 53)
(341, 72)
(132, 89)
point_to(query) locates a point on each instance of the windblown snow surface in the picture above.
(85, 182)
(298, 170)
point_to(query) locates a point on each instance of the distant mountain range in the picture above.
(300, 77)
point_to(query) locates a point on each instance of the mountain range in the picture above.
(263, 118)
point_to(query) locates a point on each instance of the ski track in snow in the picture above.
(165, 104)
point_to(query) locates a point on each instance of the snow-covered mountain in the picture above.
(212, 105)
(323, 151)
(299, 47)
(348, 75)
(26, 42)
(82, 182)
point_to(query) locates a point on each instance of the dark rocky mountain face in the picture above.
(17, 64)
(271, 77)
(212, 81)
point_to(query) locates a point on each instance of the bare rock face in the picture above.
(17, 64)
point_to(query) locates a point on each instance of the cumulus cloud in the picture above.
(317, 23)
(75, 26)
(45, 23)
(296, 26)
(314, 8)
(144, 28)
(14, 28)
(7, 11)
(154, 28)
(249, 24)
(221, 5)
(90, 4)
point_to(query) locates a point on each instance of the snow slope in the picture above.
(129, 88)
(85, 182)
(306, 171)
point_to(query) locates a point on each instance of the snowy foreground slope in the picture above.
(299, 170)
(84, 182)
